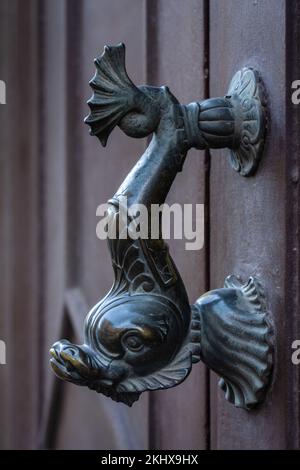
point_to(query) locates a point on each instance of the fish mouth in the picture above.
(77, 364)
(65, 367)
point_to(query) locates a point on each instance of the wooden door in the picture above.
(54, 175)
(253, 222)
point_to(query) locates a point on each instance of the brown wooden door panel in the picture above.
(248, 216)
(20, 278)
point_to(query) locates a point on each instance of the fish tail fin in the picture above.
(114, 92)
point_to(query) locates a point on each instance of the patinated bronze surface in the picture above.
(144, 335)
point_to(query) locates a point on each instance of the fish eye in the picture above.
(132, 341)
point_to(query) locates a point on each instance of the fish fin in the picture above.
(169, 376)
(114, 93)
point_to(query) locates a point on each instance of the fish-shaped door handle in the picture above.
(144, 335)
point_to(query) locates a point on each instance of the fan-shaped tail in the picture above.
(114, 93)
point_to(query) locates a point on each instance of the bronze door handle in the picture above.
(144, 335)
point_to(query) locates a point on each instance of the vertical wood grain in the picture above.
(20, 158)
(292, 221)
(248, 217)
(53, 192)
(6, 10)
